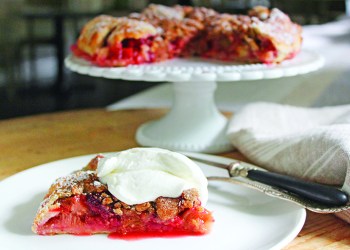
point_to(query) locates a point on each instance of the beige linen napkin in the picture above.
(310, 143)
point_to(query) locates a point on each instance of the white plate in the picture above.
(244, 218)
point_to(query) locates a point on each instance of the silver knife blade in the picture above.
(235, 168)
(210, 163)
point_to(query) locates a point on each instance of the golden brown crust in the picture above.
(113, 30)
(94, 33)
(127, 28)
(74, 184)
(161, 12)
(200, 14)
(285, 35)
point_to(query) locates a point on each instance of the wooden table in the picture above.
(30, 141)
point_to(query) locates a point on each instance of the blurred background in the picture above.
(35, 37)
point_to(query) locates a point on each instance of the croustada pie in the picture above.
(159, 33)
(140, 191)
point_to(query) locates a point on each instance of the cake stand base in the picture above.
(193, 124)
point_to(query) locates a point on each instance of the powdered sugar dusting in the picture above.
(278, 27)
(74, 184)
(97, 183)
(131, 28)
(163, 12)
(101, 24)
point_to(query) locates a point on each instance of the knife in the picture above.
(321, 194)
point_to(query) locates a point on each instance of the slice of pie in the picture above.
(116, 195)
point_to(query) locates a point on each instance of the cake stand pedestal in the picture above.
(194, 123)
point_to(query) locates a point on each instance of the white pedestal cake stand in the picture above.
(194, 122)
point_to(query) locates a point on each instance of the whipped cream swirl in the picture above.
(140, 175)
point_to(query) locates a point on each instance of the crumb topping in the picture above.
(127, 28)
(156, 11)
(87, 183)
(277, 27)
(113, 30)
(95, 32)
(200, 14)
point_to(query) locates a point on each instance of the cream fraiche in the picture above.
(140, 175)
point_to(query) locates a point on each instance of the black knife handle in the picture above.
(321, 194)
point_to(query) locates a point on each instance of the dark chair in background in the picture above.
(313, 11)
(58, 18)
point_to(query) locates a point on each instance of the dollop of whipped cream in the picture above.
(140, 175)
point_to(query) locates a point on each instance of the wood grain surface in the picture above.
(30, 141)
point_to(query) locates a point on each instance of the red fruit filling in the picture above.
(129, 51)
(85, 215)
(233, 48)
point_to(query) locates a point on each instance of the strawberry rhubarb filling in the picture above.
(85, 215)
(129, 51)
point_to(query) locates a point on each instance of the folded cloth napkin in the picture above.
(310, 143)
